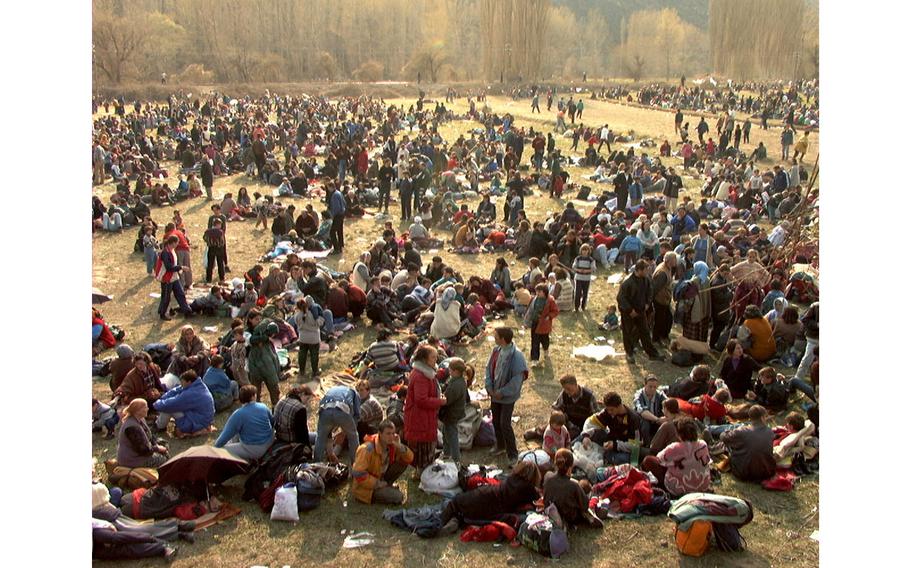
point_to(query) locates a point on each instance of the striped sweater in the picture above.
(583, 266)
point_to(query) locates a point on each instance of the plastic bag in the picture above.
(440, 478)
(537, 457)
(285, 508)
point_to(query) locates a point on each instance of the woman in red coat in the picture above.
(540, 315)
(363, 162)
(422, 406)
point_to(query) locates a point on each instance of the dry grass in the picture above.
(778, 535)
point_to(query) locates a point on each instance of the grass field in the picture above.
(779, 535)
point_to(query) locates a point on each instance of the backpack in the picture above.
(695, 540)
(544, 534)
(310, 489)
(727, 538)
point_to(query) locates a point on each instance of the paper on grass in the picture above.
(599, 353)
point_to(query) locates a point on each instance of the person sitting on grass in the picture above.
(190, 405)
(750, 447)
(616, 427)
(135, 445)
(556, 436)
(378, 463)
(224, 390)
(569, 496)
(576, 402)
(683, 466)
(291, 416)
(248, 433)
(648, 403)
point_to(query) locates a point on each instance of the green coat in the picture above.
(263, 359)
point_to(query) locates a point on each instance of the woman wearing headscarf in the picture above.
(360, 274)
(695, 304)
(144, 381)
(190, 354)
(756, 335)
(447, 315)
(121, 366)
(274, 283)
(501, 277)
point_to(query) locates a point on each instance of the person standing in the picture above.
(747, 127)
(337, 208)
(721, 297)
(540, 315)
(635, 301)
(583, 266)
(662, 283)
(263, 363)
(183, 254)
(505, 373)
(677, 121)
(421, 407)
(621, 184)
(535, 103)
(217, 251)
(207, 173)
(405, 195)
(167, 271)
(671, 189)
(386, 175)
(786, 140)
(456, 394)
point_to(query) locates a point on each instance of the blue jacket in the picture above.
(253, 422)
(342, 395)
(336, 204)
(217, 381)
(194, 401)
(512, 389)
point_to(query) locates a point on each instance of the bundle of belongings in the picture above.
(699, 515)
(625, 491)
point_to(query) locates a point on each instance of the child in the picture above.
(474, 323)
(250, 297)
(309, 320)
(556, 436)
(224, 391)
(583, 267)
(210, 303)
(104, 418)
(521, 297)
(630, 248)
(238, 357)
(611, 320)
(150, 249)
(456, 394)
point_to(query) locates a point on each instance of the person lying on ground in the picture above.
(489, 502)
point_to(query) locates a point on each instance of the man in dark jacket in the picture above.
(634, 299)
(621, 184)
(671, 189)
(207, 174)
(539, 246)
(721, 298)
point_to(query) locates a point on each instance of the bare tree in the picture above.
(118, 45)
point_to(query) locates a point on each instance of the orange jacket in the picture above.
(763, 344)
(367, 468)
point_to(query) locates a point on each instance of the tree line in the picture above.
(225, 41)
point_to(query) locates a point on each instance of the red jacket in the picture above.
(421, 408)
(183, 243)
(107, 338)
(549, 313)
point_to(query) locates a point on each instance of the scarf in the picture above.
(503, 372)
(535, 309)
(428, 372)
(447, 296)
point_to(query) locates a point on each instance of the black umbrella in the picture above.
(201, 463)
(99, 297)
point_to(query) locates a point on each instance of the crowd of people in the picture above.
(733, 290)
